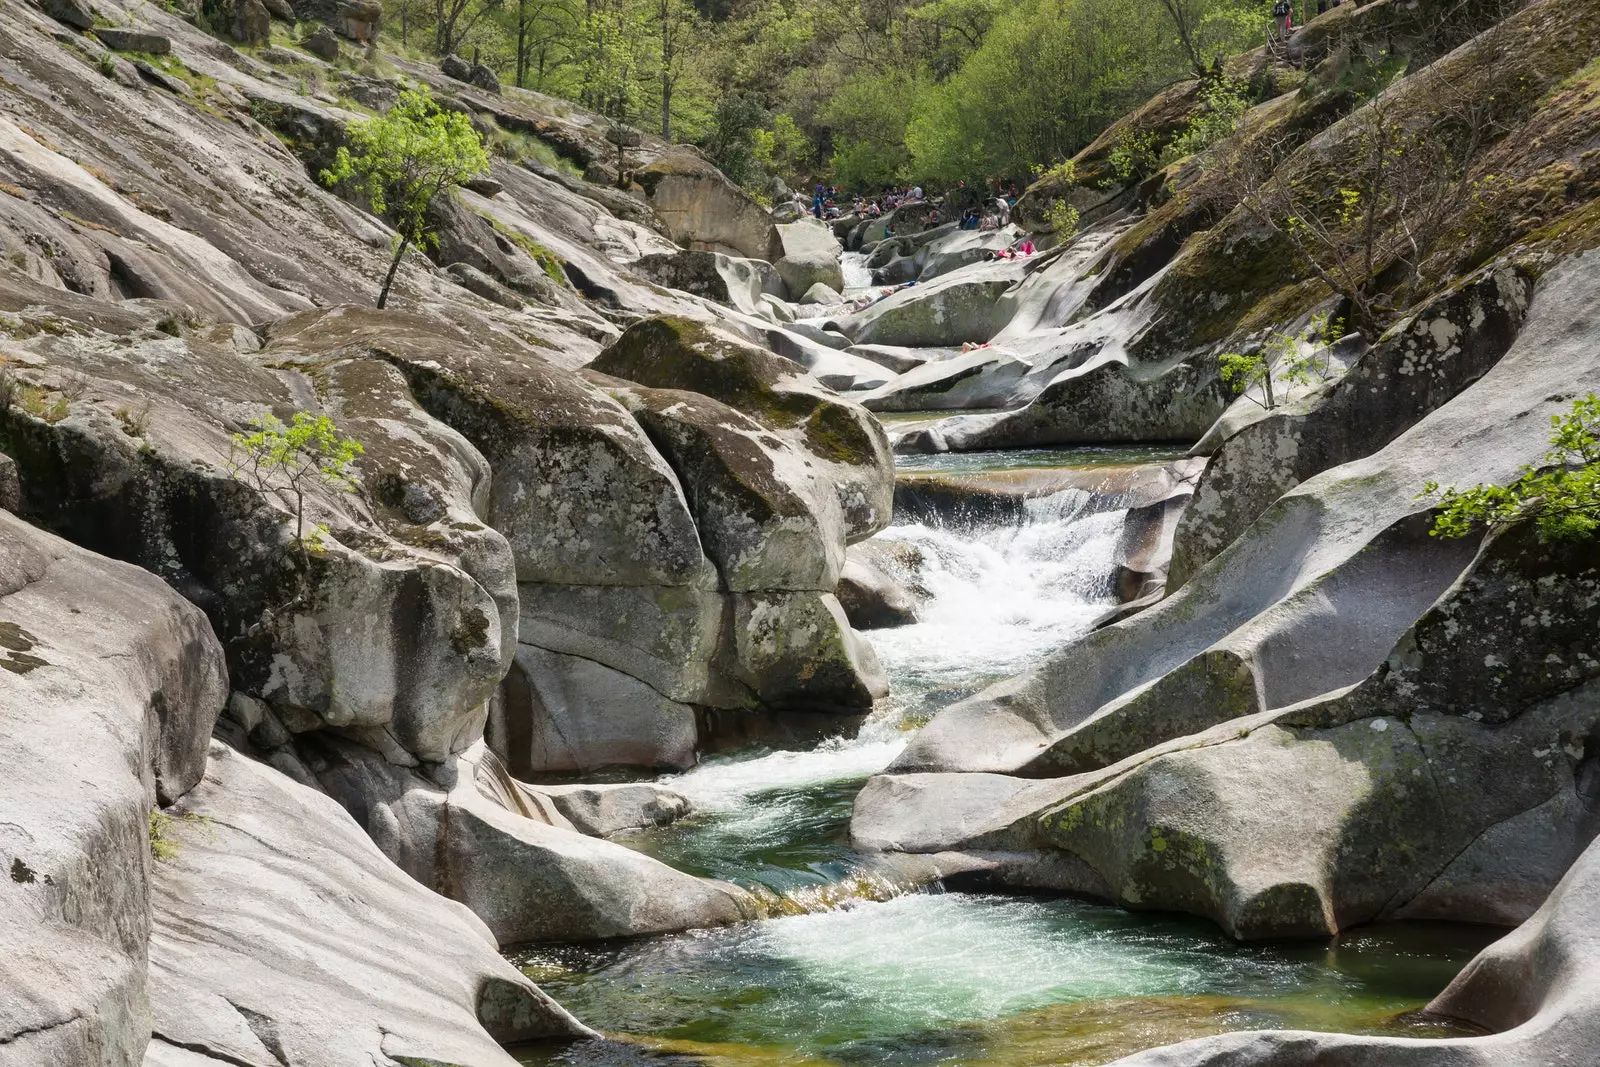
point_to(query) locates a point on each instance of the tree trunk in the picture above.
(388, 279)
(522, 44)
(666, 108)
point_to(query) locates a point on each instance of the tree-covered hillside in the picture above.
(860, 92)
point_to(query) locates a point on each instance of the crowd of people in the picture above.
(827, 201)
(991, 212)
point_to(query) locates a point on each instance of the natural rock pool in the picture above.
(857, 971)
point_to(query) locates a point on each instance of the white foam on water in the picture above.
(927, 959)
(853, 265)
(1002, 597)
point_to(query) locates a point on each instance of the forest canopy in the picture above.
(863, 93)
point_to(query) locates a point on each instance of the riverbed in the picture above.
(857, 970)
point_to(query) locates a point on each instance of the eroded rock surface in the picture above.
(110, 684)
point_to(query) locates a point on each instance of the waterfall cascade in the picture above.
(855, 969)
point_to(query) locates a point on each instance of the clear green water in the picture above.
(1039, 459)
(930, 978)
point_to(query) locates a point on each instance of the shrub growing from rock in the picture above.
(405, 159)
(1563, 499)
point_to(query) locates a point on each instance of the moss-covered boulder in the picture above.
(839, 444)
(398, 618)
(759, 530)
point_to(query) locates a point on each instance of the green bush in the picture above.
(1562, 499)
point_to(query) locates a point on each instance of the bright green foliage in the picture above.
(164, 841)
(1563, 499)
(1299, 359)
(276, 458)
(1062, 218)
(867, 115)
(1134, 154)
(784, 149)
(1240, 372)
(1222, 107)
(401, 161)
(163, 844)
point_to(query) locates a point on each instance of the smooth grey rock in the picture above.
(871, 586)
(373, 966)
(950, 311)
(822, 293)
(125, 40)
(527, 879)
(981, 378)
(810, 257)
(704, 210)
(559, 714)
(110, 685)
(896, 358)
(602, 810)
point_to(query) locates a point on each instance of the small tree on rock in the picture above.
(274, 458)
(405, 159)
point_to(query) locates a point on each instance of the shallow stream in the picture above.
(861, 973)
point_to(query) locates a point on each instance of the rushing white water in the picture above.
(928, 978)
(1001, 597)
(996, 598)
(856, 275)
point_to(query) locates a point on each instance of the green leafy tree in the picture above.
(273, 458)
(1563, 499)
(1222, 107)
(402, 161)
(613, 66)
(1298, 359)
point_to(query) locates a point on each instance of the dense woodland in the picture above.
(860, 92)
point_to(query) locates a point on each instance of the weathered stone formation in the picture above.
(704, 210)
(713, 588)
(148, 885)
(110, 684)
(1339, 719)
(810, 257)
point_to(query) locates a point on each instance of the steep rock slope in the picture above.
(173, 271)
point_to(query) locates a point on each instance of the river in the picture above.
(861, 973)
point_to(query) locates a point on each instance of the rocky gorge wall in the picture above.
(601, 523)
(601, 567)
